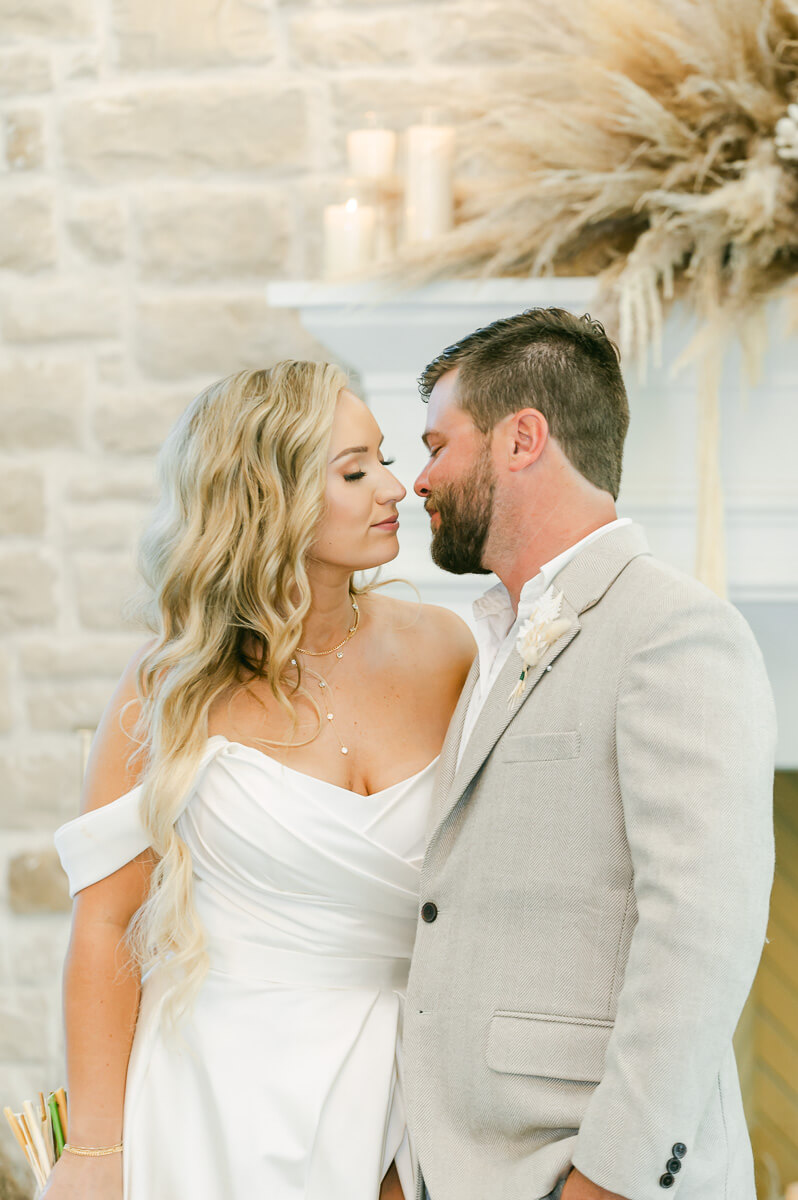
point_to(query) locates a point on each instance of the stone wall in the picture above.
(161, 161)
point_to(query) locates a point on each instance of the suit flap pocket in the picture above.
(552, 1047)
(535, 747)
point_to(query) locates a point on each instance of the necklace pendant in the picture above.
(344, 749)
(329, 716)
(340, 654)
(322, 683)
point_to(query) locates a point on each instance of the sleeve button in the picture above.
(673, 1165)
(679, 1150)
(666, 1180)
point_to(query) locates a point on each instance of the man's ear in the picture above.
(528, 434)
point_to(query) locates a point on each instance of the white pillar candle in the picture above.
(371, 152)
(428, 185)
(348, 238)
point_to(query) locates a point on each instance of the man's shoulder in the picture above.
(655, 592)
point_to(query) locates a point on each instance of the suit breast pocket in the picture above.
(549, 1047)
(541, 747)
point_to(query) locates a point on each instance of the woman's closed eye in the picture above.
(384, 462)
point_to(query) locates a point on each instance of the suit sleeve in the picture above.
(695, 746)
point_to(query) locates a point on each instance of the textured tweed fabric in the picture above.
(601, 864)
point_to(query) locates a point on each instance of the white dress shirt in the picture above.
(496, 624)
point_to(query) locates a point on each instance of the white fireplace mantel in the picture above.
(388, 337)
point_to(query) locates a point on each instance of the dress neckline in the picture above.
(316, 778)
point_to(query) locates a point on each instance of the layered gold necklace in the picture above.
(333, 649)
(324, 686)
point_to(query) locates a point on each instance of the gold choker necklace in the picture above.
(352, 631)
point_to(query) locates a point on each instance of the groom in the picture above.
(595, 889)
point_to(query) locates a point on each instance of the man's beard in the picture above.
(465, 511)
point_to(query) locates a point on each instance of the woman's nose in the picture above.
(395, 490)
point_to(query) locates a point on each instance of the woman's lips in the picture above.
(390, 526)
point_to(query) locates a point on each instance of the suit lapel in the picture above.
(496, 715)
(583, 583)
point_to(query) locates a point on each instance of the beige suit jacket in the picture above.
(594, 899)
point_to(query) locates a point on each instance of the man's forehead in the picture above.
(446, 383)
(442, 407)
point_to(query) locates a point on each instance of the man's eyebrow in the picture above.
(430, 433)
(355, 450)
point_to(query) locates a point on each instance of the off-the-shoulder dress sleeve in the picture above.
(101, 841)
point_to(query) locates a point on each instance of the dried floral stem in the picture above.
(669, 172)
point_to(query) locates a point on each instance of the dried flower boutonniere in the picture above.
(542, 628)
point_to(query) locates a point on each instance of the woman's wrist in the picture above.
(92, 1151)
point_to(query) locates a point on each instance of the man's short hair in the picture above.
(564, 366)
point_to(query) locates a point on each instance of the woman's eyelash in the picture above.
(385, 462)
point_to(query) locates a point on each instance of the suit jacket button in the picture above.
(666, 1180)
(673, 1165)
(429, 911)
(679, 1150)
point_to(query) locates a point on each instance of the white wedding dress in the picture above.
(289, 1084)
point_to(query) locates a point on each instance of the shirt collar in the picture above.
(496, 600)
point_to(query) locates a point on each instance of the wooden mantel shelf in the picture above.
(457, 292)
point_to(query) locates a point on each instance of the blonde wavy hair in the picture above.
(243, 476)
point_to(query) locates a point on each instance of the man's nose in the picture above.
(421, 486)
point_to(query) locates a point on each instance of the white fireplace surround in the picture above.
(387, 338)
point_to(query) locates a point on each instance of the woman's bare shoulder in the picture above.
(433, 635)
(440, 622)
(111, 769)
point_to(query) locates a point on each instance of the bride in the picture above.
(245, 869)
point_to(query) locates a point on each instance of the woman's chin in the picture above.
(387, 554)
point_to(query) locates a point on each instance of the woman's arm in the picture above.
(101, 980)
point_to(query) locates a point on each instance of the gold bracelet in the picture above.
(94, 1151)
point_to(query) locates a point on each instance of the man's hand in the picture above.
(579, 1187)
